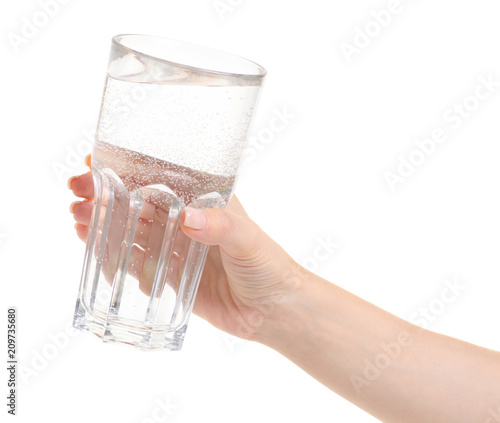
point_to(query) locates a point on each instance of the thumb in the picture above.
(237, 235)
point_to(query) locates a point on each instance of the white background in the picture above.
(322, 176)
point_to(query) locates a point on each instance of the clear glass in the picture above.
(172, 128)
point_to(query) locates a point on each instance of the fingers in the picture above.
(82, 186)
(82, 211)
(82, 231)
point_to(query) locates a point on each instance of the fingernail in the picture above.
(88, 161)
(76, 225)
(72, 206)
(70, 182)
(195, 218)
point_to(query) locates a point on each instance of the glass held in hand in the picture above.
(171, 132)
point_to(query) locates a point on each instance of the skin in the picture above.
(252, 288)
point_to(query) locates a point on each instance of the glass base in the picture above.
(119, 331)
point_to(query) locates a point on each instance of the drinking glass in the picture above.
(171, 132)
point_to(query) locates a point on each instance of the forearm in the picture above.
(392, 369)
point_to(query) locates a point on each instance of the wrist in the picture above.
(289, 316)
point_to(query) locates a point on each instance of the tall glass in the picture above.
(172, 128)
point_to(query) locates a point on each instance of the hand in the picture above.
(392, 369)
(246, 275)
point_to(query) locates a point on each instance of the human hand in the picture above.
(246, 275)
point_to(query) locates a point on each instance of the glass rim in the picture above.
(259, 74)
